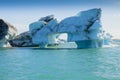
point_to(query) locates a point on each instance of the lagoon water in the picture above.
(60, 64)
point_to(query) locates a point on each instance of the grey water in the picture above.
(60, 64)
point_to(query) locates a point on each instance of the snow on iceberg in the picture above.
(84, 29)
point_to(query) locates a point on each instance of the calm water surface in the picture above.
(74, 64)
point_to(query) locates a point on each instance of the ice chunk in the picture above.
(7, 32)
(35, 26)
(84, 29)
(47, 18)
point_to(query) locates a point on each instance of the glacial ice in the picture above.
(36, 26)
(7, 32)
(84, 29)
(22, 40)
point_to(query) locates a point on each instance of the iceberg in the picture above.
(22, 40)
(83, 31)
(107, 38)
(7, 32)
(41, 29)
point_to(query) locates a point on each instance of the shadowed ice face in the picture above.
(3, 29)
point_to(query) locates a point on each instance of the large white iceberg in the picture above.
(84, 30)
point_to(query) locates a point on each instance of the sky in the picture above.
(21, 13)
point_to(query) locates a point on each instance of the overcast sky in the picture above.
(21, 13)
